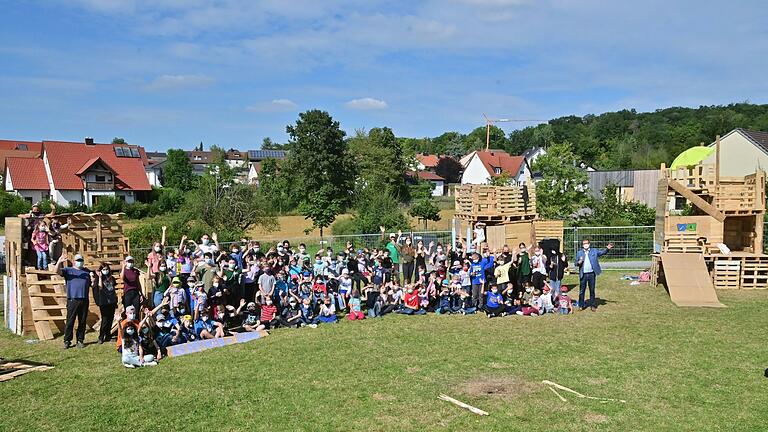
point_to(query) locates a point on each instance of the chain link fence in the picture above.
(633, 245)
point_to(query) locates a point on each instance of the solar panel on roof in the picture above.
(134, 152)
(119, 152)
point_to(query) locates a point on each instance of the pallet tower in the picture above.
(508, 212)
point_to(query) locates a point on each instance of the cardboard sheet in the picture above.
(688, 280)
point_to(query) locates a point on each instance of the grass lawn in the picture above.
(678, 369)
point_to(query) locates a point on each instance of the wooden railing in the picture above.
(100, 186)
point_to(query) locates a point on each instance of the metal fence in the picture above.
(631, 243)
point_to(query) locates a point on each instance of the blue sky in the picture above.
(172, 73)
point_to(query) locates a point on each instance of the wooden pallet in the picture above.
(754, 274)
(47, 299)
(476, 201)
(727, 274)
(12, 369)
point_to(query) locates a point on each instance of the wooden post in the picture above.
(99, 245)
(717, 170)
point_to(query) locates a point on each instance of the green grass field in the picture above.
(678, 369)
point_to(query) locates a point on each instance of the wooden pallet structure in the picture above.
(726, 211)
(508, 212)
(14, 368)
(41, 294)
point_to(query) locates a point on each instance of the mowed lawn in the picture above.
(678, 369)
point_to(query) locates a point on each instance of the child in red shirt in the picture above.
(411, 303)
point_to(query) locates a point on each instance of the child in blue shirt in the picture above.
(494, 303)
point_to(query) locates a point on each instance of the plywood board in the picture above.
(688, 281)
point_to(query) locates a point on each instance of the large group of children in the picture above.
(201, 291)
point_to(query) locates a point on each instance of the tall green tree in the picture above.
(118, 140)
(177, 171)
(425, 210)
(321, 166)
(562, 190)
(381, 161)
(476, 139)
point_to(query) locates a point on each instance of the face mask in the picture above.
(538, 253)
(205, 241)
(494, 291)
(522, 249)
(585, 246)
(105, 272)
(145, 330)
(302, 250)
(410, 291)
(42, 229)
(129, 265)
(439, 250)
(269, 302)
(279, 248)
(131, 316)
(232, 266)
(216, 285)
(234, 251)
(181, 311)
(318, 261)
(129, 332)
(157, 248)
(210, 262)
(186, 250)
(407, 242)
(162, 269)
(79, 264)
(257, 249)
(205, 318)
(221, 316)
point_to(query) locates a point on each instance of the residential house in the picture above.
(79, 172)
(533, 153)
(631, 185)
(742, 152)
(18, 149)
(426, 162)
(482, 166)
(438, 183)
(256, 157)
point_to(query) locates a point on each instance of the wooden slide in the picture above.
(688, 280)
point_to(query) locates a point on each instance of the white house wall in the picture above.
(739, 156)
(475, 173)
(438, 186)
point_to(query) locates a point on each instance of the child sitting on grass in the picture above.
(564, 303)
(467, 304)
(327, 311)
(494, 303)
(131, 348)
(546, 300)
(355, 312)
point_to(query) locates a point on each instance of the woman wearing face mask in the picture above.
(131, 349)
(132, 294)
(161, 283)
(407, 258)
(422, 254)
(105, 296)
(155, 256)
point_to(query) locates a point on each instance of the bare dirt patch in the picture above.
(597, 381)
(595, 418)
(498, 387)
(496, 365)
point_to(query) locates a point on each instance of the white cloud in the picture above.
(366, 104)
(177, 82)
(276, 105)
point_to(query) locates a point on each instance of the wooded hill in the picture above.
(612, 140)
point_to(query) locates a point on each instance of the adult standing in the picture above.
(78, 281)
(394, 249)
(132, 295)
(556, 266)
(105, 296)
(408, 257)
(587, 259)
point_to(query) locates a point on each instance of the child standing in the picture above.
(564, 304)
(40, 240)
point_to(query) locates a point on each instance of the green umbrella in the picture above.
(692, 156)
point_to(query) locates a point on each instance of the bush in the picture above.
(344, 226)
(12, 205)
(150, 230)
(138, 210)
(167, 200)
(109, 205)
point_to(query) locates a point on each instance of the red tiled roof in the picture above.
(67, 158)
(89, 163)
(428, 160)
(26, 154)
(500, 159)
(34, 146)
(425, 175)
(27, 174)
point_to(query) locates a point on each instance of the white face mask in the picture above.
(205, 241)
(157, 248)
(129, 332)
(42, 229)
(79, 264)
(585, 246)
(129, 265)
(105, 272)
(257, 249)
(162, 269)
(439, 250)
(130, 316)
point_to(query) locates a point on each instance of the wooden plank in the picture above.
(688, 280)
(697, 201)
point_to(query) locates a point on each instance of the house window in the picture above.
(28, 199)
(497, 170)
(101, 178)
(121, 197)
(22, 147)
(119, 152)
(134, 152)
